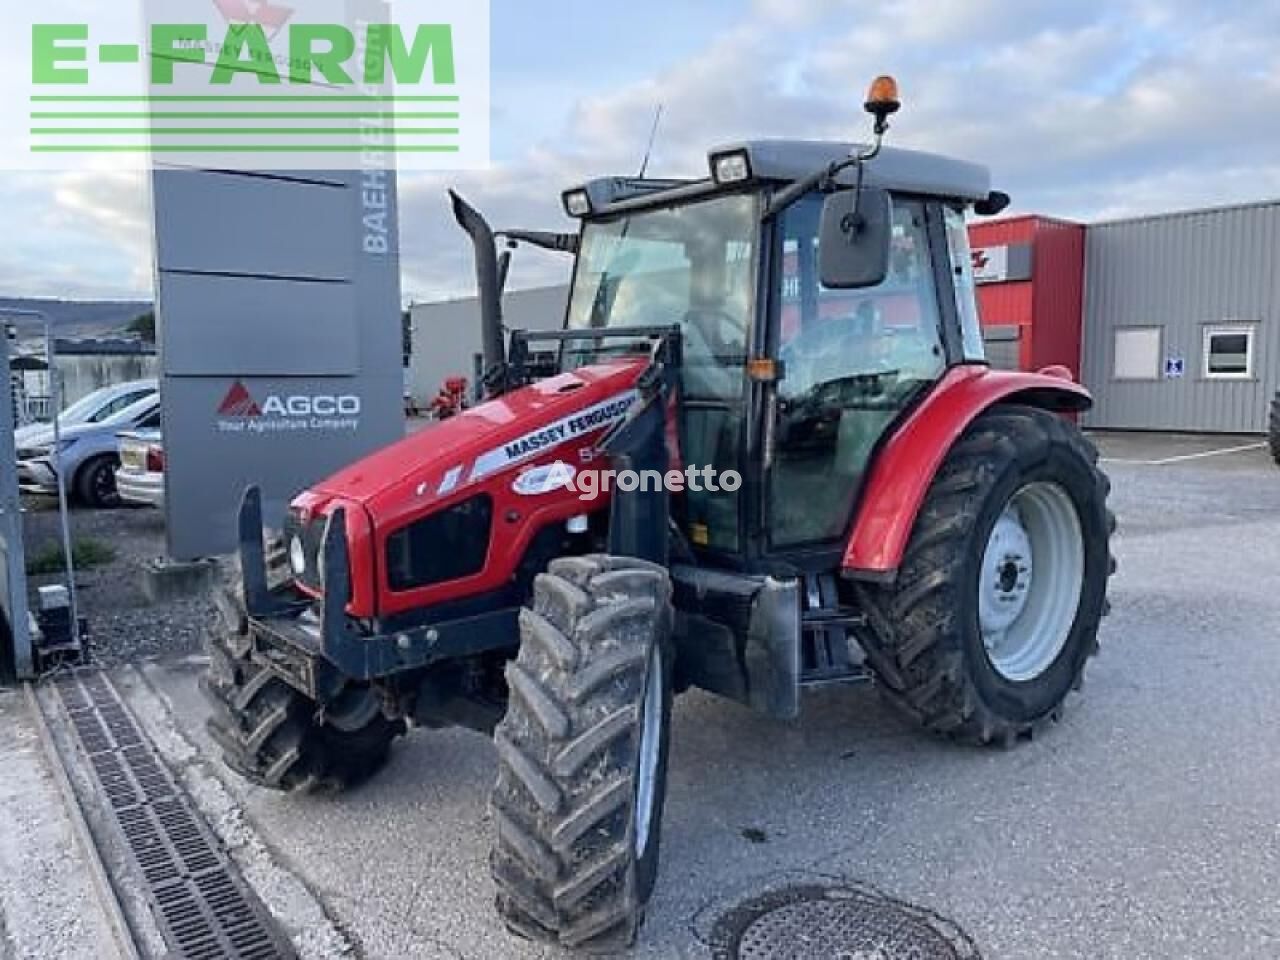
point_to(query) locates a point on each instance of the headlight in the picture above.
(44, 450)
(297, 557)
(577, 203)
(732, 167)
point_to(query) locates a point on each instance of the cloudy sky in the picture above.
(1082, 108)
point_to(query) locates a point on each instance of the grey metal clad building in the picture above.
(1182, 320)
(446, 335)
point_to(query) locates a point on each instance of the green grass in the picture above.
(86, 554)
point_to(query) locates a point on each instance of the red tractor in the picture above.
(804, 474)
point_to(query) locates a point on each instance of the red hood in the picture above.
(451, 454)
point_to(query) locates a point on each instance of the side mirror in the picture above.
(854, 239)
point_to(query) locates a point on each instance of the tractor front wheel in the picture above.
(275, 737)
(582, 754)
(997, 604)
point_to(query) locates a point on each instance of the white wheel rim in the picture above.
(650, 748)
(1030, 582)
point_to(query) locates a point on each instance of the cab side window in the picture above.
(965, 287)
(853, 360)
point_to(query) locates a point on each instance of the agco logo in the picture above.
(240, 403)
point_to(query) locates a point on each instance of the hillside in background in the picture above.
(75, 319)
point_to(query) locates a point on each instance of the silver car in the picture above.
(87, 456)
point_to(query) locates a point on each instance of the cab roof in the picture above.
(907, 171)
(785, 161)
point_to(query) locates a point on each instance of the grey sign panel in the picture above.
(269, 225)
(250, 326)
(269, 378)
(281, 434)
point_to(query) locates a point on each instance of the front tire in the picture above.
(272, 735)
(996, 608)
(582, 754)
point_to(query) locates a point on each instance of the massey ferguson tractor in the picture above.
(804, 474)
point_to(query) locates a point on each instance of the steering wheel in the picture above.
(813, 350)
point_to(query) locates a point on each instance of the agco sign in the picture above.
(241, 412)
(319, 406)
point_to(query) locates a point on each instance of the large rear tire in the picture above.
(582, 754)
(1274, 435)
(275, 737)
(996, 607)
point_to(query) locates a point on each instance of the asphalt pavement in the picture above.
(1146, 824)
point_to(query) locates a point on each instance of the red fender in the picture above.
(909, 461)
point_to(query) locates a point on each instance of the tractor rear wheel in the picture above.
(275, 737)
(582, 754)
(1275, 429)
(996, 606)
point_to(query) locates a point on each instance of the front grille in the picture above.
(448, 545)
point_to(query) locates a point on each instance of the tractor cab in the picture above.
(810, 320)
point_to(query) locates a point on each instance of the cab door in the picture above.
(853, 361)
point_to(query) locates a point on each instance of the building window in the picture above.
(1228, 352)
(1138, 353)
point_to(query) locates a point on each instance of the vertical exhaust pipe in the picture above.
(489, 281)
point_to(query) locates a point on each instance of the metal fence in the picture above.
(37, 409)
(15, 632)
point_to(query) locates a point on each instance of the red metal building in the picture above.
(1030, 276)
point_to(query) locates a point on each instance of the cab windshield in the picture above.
(693, 266)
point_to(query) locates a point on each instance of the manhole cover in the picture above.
(836, 923)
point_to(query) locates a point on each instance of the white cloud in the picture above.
(1082, 109)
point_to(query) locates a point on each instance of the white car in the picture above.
(89, 451)
(140, 476)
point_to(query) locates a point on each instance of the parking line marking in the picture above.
(1188, 456)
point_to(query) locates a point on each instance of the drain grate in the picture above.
(203, 908)
(813, 922)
